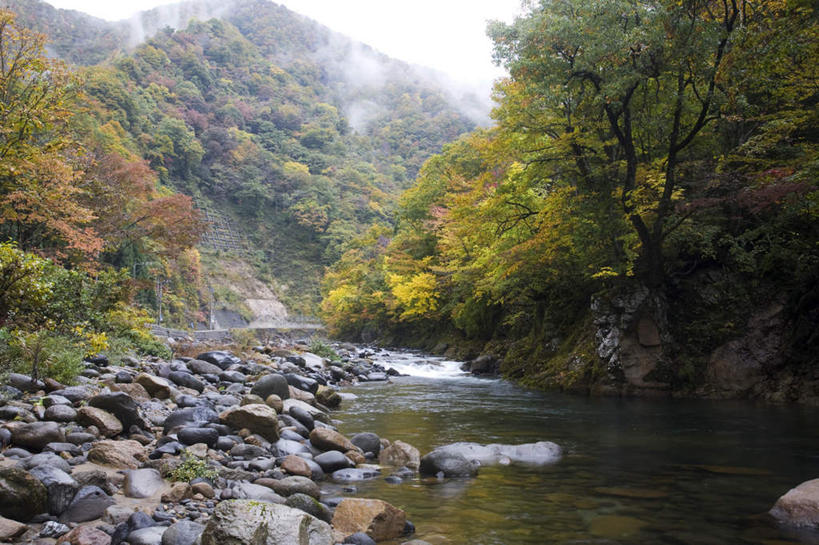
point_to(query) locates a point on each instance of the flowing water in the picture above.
(633, 471)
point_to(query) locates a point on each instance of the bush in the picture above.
(191, 468)
(43, 354)
(244, 338)
(320, 348)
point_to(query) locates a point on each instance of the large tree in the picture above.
(628, 86)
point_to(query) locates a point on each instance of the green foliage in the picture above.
(42, 353)
(321, 348)
(193, 467)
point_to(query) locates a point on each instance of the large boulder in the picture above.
(89, 503)
(127, 454)
(142, 483)
(107, 423)
(799, 506)
(271, 384)
(448, 464)
(220, 358)
(21, 495)
(327, 439)
(120, 405)
(157, 387)
(35, 435)
(258, 418)
(378, 519)
(400, 454)
(237, 522)
(60, 487)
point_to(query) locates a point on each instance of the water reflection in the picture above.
(634, 471)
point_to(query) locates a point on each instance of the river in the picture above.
(633, 471)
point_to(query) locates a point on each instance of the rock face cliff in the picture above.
(644, 353)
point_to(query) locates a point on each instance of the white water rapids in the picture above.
(420, 365)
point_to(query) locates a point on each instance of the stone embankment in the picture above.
(214, 449)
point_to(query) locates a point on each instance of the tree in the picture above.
(629, 87)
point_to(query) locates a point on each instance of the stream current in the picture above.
(673, 472)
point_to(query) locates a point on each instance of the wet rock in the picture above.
(333, 460)
(35, 435)
(378, 519)
(309, 505)
(540, 453)
(94, 477)
(147, 536)
(89, 503)
(241, 521)
(22, 496)
(272, 384)
(137, 392)
(73, 393)
(9, 529)
(201, 367)
(193, 435)
(295, 465)
(24, 382)
(291, 485)
(121, 405)
(448, 464)
(189, 417)
(85, 535)
(327, 439)
(328, 397)
(126, 454)
(156, 387)
(79, 437)
(354, 475)
(52, 528)
(104, 421)
(304, 417)
(259, 419)
(219, 358)
(400, 454)
(184, 532)
(246, 451)
(358, 538)
(142, 483)
(59, 448)
(302, 383)
(289, 422)
(799, 506)
(60, 487)
(367, 442)
(47, 459)
(232, 376)
(203, 488)
(257, 492)
(187, 380)
(60, 413)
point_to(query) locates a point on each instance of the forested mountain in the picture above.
(642, 218)
(296, 136)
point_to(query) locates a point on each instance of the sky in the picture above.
(447, 35)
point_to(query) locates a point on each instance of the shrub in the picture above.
(43, 353)
(191, 468)
(320, 348)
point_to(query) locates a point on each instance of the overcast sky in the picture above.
(447, 35)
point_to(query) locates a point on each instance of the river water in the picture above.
(633, 471)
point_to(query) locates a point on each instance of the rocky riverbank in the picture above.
(218, 448)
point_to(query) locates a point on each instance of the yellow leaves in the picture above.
(417, 295)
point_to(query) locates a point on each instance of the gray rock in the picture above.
(69, 448)
(304, 417)
(232, 376)
(448, 464)
(540, 453)
(799, 506)
(201, 367)
(60, 413)
(192, 435)
(54, 529)
(189, 416)
(89, 503)
(60, 487)
(23, 382)
(295, 484)
(187, 380)
(286, 447)
(249, 491)
(271, 384)
(184, 532)
(73, 393)
(333, 460)
(22, 495)
(45, 459)
(51, 400)
(241, 521)
(354, 475)
(36, 435)
(358, 538)
(367, 442)
(302, 383)
(142, 483)
(147, 536)
(120, 405)
(309, 505)
(221, 358)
